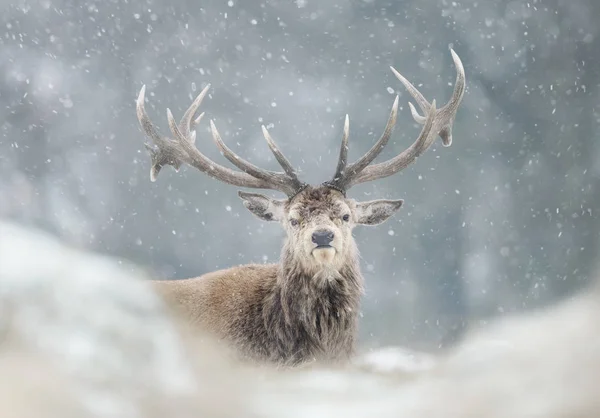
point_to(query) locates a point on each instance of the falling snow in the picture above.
(504, 217)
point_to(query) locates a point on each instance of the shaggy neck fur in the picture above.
(312, 314)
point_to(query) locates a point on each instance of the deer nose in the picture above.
(322, 237)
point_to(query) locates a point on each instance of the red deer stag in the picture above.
(306, 307)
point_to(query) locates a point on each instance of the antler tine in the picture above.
(405, 158)
(235, 159)
(416, 94)
(343, 159)
(169, 155)
(376, 149)
(345, 173)
(217, 171)
(145, 121)
(286, 183)
(450, 108)
(185, 125)
(281, 159)
(181, 150)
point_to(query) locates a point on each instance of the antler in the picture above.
(435, 122)
(181, 150)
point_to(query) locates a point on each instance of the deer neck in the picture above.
(317, 307)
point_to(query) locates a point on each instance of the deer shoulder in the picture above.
(217, 300)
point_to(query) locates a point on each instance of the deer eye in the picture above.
(294, 222)
(346, 218)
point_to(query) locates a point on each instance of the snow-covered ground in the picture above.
(84, 335)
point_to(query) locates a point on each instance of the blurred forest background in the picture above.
(504, 220)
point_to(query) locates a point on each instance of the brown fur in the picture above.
(288, 313)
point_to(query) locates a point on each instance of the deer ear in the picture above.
(262, 206)
(376, 212)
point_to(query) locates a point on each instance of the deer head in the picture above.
(318, 219)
